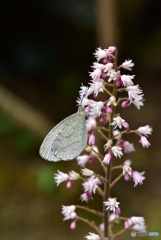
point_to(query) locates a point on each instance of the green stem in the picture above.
(100, 192)
(116, 167)
(119, 233)
(102, 134)
(107, 92)
(91, 224)
(116, 180)
(103, 128)
(99, 159)
(121, 99)
(108, 172)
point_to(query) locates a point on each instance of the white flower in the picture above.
(73, 175)
(134, 93)
(101, 227)
(117, 151)
(84, 101)
(100, 53)
(82, 160)
(111, 204)
(69, 212)
(84, 197)
(61, 177)
(92, 236)
(138, 178)
(118, 122)
(139, 101)
(98, 71)
(83, 91)
(114, 216)
(127, 80)
(127, 162)
(95, 108)
(127, 169)
(108, 144)
(139, 227)
(128, 147)
(103, 53)
(117, 135)
(92, 153)
(144, 142)
(91, 184)
(87, 172)
(91, 123)
(112, 75)
(112, 101)
(137, 223)
(107, 67)
(127, 65)
(96, 87)
(137, 220)
(145, 130)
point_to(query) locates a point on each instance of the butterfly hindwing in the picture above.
(67, 139)
(45, 149)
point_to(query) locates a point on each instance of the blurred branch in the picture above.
(24, 114)
(107, 25)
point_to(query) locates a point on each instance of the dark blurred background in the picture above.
(46, 50)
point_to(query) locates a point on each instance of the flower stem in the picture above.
(118, 233)
(107, 92)
(102, 134)
(108, 172)
(99, 214)
(91, 224)
(116, 180)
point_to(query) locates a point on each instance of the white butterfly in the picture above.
(67, 139)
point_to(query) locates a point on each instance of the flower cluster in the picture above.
(106, 78)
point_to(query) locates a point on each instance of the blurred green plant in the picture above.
(45, 181)
(20, 138)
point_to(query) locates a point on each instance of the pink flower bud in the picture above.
(95, 96)
(127, 177)
(69, 184)
(126, 125)
(103, 120)
(127, 225)
(91, 139)
(107, 60)
(119, 82)
(73, 225)
(108, 110)
(91, 160)
(118, 210)
(111, 49)
(103, 75)
(125, 104)
(107, 158)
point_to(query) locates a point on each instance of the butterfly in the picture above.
(67, 139)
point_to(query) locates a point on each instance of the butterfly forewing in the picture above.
(67, 139)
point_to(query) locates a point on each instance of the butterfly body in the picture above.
(67, 139)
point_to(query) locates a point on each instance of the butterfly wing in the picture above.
(66, 140)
